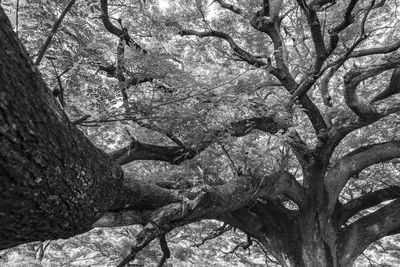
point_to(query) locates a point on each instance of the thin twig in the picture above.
(80, 120)
(16, 18)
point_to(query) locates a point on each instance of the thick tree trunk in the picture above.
(53, 182)
(315, 251)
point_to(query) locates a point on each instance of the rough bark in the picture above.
(53, 182)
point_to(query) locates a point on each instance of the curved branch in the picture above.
(120, 33)
(355, 162)
(359, 235)
(348, 19)
(244, 55)
(366, 201)
(354, 77)
(391, 89)
(230, 7)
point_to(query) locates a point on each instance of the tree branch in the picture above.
(53, 32)
(214, 234)
(348, 19)
(230, 7)
(176, 154)
(353, 163)
(376, 50)
(316, 33)
(164, 249)
(244, 55)
(120, 33)
(366, 201)
(187, 206)
(359, 235)
(353, 78)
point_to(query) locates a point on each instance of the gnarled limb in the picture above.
(187, 206)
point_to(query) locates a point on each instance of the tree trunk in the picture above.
(315, 251)
(53, 182)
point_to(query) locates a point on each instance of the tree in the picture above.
(293, 194)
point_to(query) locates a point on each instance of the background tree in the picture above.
(251, 105)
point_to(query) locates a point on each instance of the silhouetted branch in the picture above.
(53, 32)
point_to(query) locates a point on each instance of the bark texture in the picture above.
(53, 182)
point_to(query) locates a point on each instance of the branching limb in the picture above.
(243, 245)
(215, 233)
(282, 73)
(210, 202)
(295, 192)
(308, 81)
(162, 206)
(300, 149)
(348, 19)
(120, 33)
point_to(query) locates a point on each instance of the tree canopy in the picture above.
(276, 118)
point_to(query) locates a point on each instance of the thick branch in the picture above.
(356, 237)
(391, 89)
(368, 200)
(187, 206)
(54, 182)
(354, 77)
(348, 19)
(355, 162)
(316, 33)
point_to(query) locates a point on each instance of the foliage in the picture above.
(199, 85)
